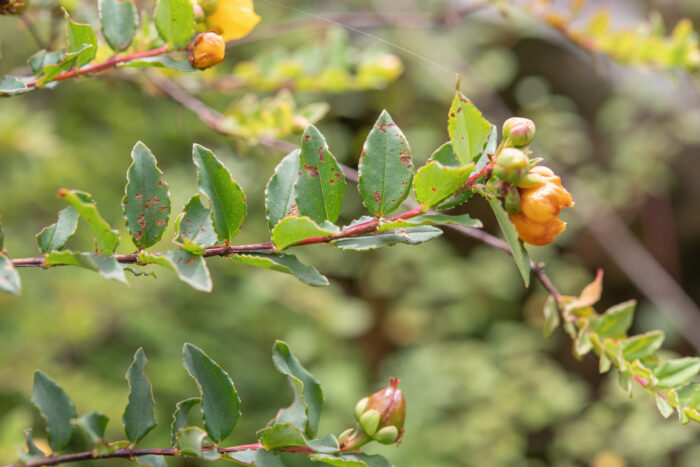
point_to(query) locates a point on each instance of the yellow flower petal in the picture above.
(234, 18)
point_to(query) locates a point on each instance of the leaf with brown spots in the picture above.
(194, 230)
(386, 170)
(146, 203)
(321, 183)
(468, 129)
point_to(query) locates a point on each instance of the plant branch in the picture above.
(130, 453)
(107, 64)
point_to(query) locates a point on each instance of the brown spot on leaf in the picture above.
(307, 137)
(293, 211)
(434, 188)
(313, 171)
(381, 126)
(320, 154)
(459, 109)
(138, 195)
(160, 222)
(377, 197)
(363, 154)
(142, 221)
(337, 175)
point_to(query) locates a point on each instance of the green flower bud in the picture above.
(360, 408)
(209, 6)
(387, 435)
(511, 165)
(369, 421)
(531, 180)
(520, 131)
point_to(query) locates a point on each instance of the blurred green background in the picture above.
(451, 318)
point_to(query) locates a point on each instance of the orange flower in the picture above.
(207, 49)
(538, 222)
(234, 18)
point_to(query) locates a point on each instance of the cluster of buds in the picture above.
(381, 418)
(13, 7)
(533, 194)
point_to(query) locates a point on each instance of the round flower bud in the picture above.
(511, 165)
(386, 408)
(209, 6)
(520, 131)
(206, 50)
(538, 222)
(387, 435)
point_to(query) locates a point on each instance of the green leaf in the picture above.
(664, 407)
(160, 61)
(305, 411)
(288, 264)
(642, 345)
(431, 219)
(489, 150)
(175, 21)
(94, 425)
(68, 61)
(292, 230)
(518, 250)
(190, 439)
(194, 230)
(152, 460)
(42, 58)
(435, 182)
(56, 408)
(446, 156)
(386, 167)
(468, 129)
(409, 235)
(182, 409)
(353, 460)
(139, 417)
(257, 457)
(79, 36)
(228, 203)
(551, 316)
(321, 184)
(11, 85)
(279, 192)
(146, 202)
(220, 402)
(9, 279)
(582, 344)
(616, 320)
(29, 445)
(282, 435)
(107, 266)
(107, 239)
(118, 21)
(675, 373)
(55, 236)
(191, 269)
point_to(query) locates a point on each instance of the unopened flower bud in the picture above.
(385, 408)
(387, 435)
(209, 6)
(531, 180)
(520, 131)
(369, 421)
(511, 165)
(206, 50)
(199, 16)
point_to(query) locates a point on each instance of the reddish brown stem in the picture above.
(112, 62)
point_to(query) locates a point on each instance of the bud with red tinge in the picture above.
(206, 50)
(519, 131)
